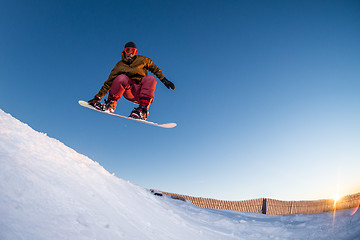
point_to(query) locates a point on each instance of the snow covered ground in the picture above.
(49, 191)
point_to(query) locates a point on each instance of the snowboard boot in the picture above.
(110, 105)
(99, 106)
(140, 113)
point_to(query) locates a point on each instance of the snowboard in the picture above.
(164, 125)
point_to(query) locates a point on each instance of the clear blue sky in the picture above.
(267, 92)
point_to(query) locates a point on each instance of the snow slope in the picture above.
(49, 191)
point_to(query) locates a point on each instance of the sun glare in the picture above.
(336, 197)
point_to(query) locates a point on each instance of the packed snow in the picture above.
(49, 191)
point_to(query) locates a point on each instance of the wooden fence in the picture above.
(273, 206)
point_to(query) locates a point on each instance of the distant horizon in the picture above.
(336, 198)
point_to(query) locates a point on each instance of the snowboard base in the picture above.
(164, 125)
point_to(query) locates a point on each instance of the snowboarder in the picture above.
(129, 78)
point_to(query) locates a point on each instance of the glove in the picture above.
(168, 84)
(94, 100)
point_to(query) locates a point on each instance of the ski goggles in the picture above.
(131, 51)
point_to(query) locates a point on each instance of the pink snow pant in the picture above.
(124, 86)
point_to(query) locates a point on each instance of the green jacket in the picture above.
(135, 69)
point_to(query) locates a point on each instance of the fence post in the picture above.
(264, 204)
